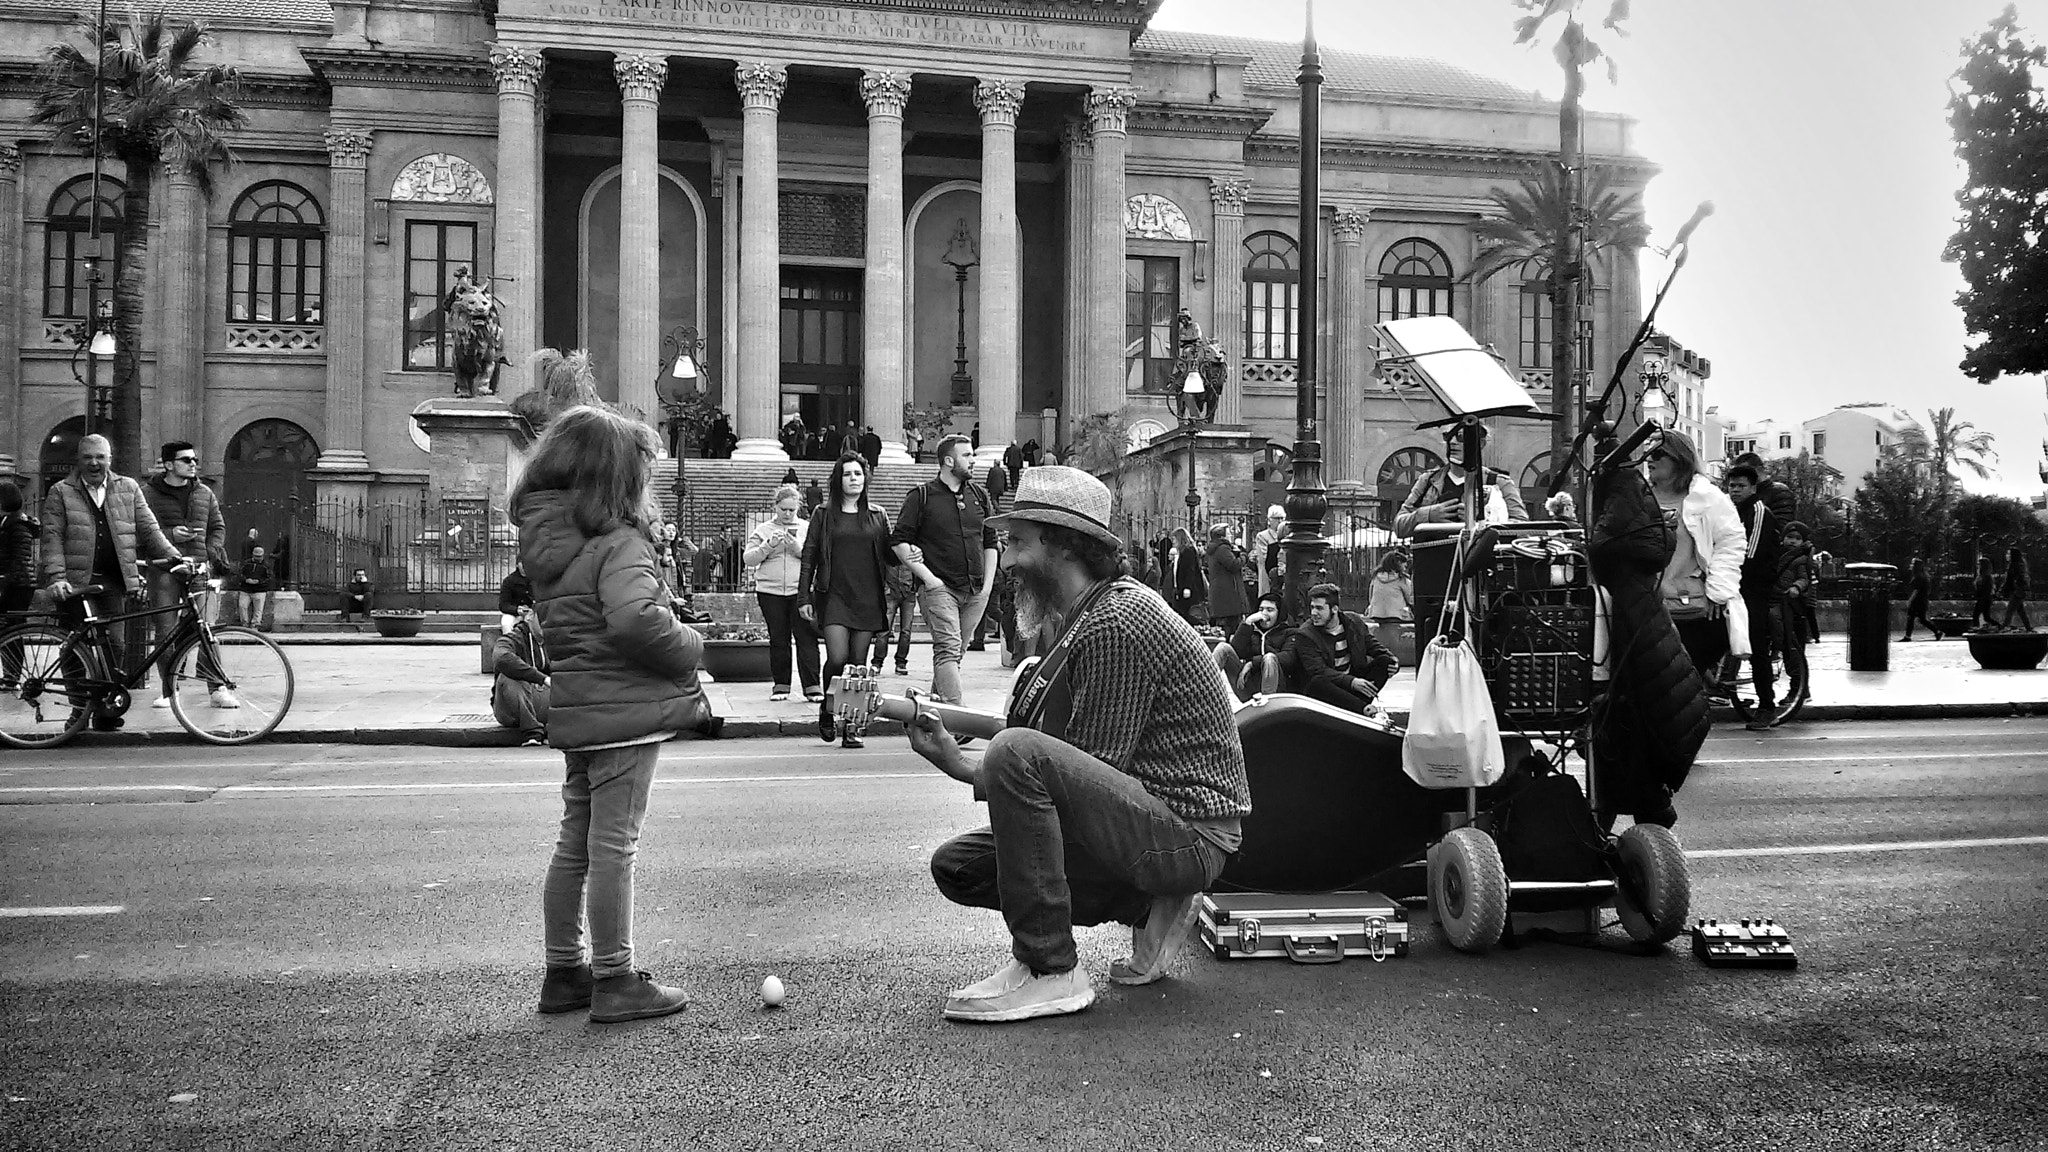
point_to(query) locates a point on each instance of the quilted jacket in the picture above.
(1655, 721)
(623, 668)
(191, 506)
(68, 532)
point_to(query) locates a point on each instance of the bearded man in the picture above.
(1118, 790)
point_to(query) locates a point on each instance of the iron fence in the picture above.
(450, 553)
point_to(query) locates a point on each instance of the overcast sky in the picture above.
(1819, 130)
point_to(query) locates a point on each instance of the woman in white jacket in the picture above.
(1702, 583)
(775, 550)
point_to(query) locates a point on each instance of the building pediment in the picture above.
(381, 68)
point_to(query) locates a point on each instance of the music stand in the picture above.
(1464, 377)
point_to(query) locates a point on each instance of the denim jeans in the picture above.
(1071, 840)
(949, 614)
(604, 802)
(520, 704)
(786, 628)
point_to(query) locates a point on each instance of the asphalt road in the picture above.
(336, 947)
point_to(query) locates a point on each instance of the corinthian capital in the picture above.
(1228, 193)
(347, 148)
(640, 77)
(998, 101)
(885, 92)
(518, 69)
(1109, 109)
(10, 161)
(1349, 223)
(1075, 140)
(761, 83)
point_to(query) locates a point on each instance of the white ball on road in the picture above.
(771, 992)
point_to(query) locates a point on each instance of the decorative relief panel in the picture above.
(1268, 372)
(273, 338)
(441, 178)
(1148, 216)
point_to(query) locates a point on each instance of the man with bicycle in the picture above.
(189, 514)
(96, 527)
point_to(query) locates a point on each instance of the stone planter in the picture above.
(1946, 627)
(397, 624)
(2009, 651)
(734, 660)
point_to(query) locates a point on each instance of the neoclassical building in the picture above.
(838, 197)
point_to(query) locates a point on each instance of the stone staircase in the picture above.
(724, 492)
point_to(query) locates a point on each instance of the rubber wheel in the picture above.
(41, 707)
(1468, 889)
(257, 679)
(1653, 864)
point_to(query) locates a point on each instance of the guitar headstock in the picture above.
(855, 694)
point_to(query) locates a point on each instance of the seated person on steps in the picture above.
(1250, 658)
(1118, 789)
(1342, 663)
(519, 688)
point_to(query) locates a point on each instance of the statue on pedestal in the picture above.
(476, 339)
(1203, 359)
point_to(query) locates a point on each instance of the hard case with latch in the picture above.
(1318, 928)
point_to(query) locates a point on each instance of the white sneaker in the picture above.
(160, 702)
(1013, 993)
(222, 698)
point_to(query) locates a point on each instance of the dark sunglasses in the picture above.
(1658, 454)
(184, 459)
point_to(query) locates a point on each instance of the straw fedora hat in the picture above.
(1056, 494)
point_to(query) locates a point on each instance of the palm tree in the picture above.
(134, 94)
(1534, 224)
(1943, 446)
(1574, 49)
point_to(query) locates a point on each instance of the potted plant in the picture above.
(2009, 651)
(735, 652)
(402, 620)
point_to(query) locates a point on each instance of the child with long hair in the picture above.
(624, 680)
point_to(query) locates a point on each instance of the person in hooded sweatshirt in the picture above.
(623, 680)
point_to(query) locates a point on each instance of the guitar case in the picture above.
(1331, 807)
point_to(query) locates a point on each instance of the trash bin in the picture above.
(1870, 616)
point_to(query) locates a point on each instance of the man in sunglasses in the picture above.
(189, 514)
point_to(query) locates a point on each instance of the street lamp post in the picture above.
(682, 378)
(1307, 499)
(961, 255)
(96, 334)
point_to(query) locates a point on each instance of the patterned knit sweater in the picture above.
(1147, 699)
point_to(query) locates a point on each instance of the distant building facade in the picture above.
(1855, 438)
(835, 195)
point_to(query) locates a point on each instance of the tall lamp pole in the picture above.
(1307, 501)
(683, 377)
(96, 333)
(961, 255)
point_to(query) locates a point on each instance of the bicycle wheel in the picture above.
(232, 689)
(40, 705)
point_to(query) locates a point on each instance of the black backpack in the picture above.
(1547, 832)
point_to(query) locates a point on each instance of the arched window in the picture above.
(1415, 280)
(67, 244)
(1398, 475)
(1535, 485)
(1272, 283)
(277, 256)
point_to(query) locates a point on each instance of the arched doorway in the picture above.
(59, 455)
(1398, 475)
(263, 484)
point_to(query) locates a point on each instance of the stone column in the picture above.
(758, 406)
(1002, 289)
(884, 381)
(640, 79)
(515, 258)
(1226, 288)
(342, 308)
(1344, 463)
(15, 442)
(1109, 112)
(180, 364)
(1080, 152)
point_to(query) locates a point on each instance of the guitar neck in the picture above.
(959, 721)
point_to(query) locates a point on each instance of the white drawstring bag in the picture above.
(1453, 739)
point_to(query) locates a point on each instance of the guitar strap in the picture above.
(1045, 701)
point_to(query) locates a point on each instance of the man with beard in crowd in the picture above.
(1118, 790)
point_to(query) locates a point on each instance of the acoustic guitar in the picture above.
(855, 697)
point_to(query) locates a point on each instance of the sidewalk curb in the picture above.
(492, 736)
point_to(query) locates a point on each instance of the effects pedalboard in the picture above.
(1749, 944)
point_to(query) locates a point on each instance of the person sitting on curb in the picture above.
(1342, 662)
(356, 598)
(1117, 792)
(1257, 643)
(519, 688)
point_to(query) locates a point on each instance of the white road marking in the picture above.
(233, 791)
(1870, 758)
(1877, 846)
(62, 910)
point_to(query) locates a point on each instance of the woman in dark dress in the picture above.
(1916, 600)
(841, 585)
(1980, 612)
(1190, 587)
